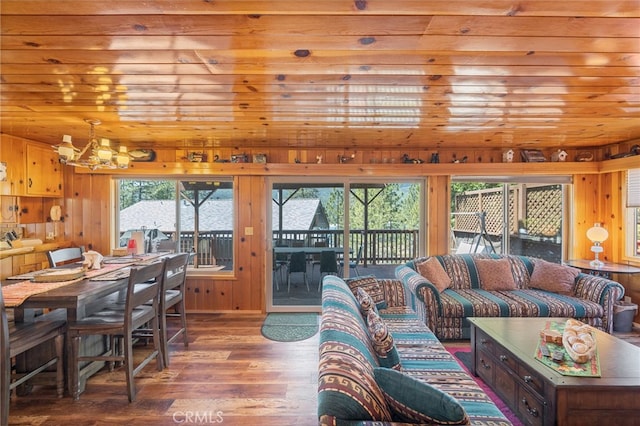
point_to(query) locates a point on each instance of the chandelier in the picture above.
(101, 156)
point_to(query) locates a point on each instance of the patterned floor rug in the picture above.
(290, 326)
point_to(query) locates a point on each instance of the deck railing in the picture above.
(380, 246)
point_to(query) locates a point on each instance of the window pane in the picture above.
(206, 221)
(529, 222)
(147, 206)
(198, 217)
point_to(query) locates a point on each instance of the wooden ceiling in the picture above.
(363, 74)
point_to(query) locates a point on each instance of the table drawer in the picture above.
(506, 359)
(530, 407)
(531, 378)
(485, 367)
(484, 342)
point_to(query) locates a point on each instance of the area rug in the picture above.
(290, 326)
(463, 355)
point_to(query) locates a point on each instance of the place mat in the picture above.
(15, 294)
(59, 275)
(112, 276)
(566, 367)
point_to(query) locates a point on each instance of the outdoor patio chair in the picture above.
(297, 264)
(328, 265)
(353, 264)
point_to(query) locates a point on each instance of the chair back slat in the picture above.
(60, 256)
(175, 271)
(5, 364)
(144, 284)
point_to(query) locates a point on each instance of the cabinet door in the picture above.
(12, 155)
(44, 171)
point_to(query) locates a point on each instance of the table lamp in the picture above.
(597, 234)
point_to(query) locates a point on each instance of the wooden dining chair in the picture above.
(18, 338)
(172, 299)
(141, 307)
(64, 255)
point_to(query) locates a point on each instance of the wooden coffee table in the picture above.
(503, 356)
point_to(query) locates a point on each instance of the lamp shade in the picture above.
(597, 233)
(66, 150)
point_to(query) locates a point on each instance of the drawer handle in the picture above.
(503, 358)
(527, 379)
(484, 364)
(531, 410)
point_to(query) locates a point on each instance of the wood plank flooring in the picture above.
(230, 374)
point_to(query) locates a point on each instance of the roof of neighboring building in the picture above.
(297, 214)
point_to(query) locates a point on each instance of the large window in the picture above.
(633, 214)
(192, 216)
(524, 218)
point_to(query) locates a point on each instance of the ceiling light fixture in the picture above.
(101, 155)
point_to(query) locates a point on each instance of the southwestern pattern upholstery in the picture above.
(446, 312)
(348, 393)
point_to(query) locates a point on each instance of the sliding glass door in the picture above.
(337, 226)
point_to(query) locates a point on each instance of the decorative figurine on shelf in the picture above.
(240, 158)
(406, 159)
(197, 157)
(459, 160)
(318, 159)
(343, 158)
(559, 155)
(217, 159)
(435, 158)
(507, 156)
(584, 156)
(635, 150)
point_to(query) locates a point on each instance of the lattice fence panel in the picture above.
(544, 211)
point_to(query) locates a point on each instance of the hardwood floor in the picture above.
(230, 374)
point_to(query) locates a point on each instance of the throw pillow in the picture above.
(365, 301)
(553, 277)
(495, 274)
(370, 284)
(413, 401)
(432, 270)
(382, 342)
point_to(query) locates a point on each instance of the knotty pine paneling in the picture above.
(438, 213)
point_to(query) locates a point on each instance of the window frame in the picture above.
(228, 273)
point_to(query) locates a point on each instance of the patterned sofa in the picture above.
(353, 389)
(538, 289)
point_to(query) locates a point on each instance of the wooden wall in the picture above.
(597, 195)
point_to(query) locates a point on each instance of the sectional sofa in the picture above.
(445, 290)
(381, 365)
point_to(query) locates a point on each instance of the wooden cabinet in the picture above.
(43, 171)
(12, 154)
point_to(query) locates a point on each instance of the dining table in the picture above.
(78, 297)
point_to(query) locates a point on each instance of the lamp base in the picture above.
(596, 263)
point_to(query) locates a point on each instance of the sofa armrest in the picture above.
(423, 295)
(394, 293)
(602, 291)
